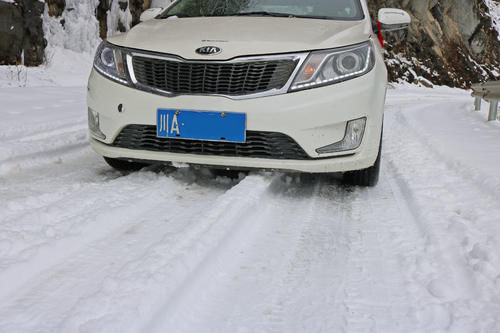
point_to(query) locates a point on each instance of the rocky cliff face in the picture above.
(21, 33)
(450, 42)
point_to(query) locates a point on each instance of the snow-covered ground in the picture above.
(84, 248)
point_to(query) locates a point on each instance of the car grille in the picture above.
(231, 79)
(258, 144)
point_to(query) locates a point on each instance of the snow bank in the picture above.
(71, 43)
(80, 32)
(71, 46)
(72, 40)
(494, 9)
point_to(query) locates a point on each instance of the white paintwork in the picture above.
(313, 118)
(393, 19)
(239, 36)
(150, 14)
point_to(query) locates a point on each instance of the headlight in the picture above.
(332, 66)
(110, 61)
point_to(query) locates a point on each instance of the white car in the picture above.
(296, 85)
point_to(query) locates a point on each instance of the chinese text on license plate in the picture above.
(201, 125)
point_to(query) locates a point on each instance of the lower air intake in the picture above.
(258, 144)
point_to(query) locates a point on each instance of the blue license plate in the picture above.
(201, 125)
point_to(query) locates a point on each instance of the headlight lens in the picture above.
(109, 61)
(332, 66)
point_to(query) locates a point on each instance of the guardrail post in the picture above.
(493, 111)
(477, 104)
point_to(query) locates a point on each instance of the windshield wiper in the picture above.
(175, 15)
(263, 13)
(256, 13)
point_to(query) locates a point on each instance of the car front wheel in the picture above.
(365, 177)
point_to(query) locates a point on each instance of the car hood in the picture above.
(241, 36)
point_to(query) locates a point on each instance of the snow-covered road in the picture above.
(84, 248)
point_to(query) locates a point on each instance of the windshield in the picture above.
(325, 9)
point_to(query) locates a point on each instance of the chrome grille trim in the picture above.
(297, 58)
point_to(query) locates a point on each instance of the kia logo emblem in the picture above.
(209, 50)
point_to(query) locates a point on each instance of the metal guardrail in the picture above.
(490, 92)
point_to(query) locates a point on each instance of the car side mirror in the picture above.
(150, 14)
(392, 19)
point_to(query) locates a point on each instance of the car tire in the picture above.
(365, 177)
(123, 165)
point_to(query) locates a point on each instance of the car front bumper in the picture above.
(313, 118)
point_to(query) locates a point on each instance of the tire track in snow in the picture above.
(303, 264)
(103, 266)
(64, 213)
(163, 270)
(99, 210)
(40, 126)
(35, 110)
(199, 299)
(346, 266)
(48, 156)
(24, 192)
(375, 294)
(91, 270)
(298, 266)
(454, 275)
(230, 223)
(472, 177)
(315, 241)
(32, 135)
(52, 149)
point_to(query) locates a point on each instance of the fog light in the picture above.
(352, 139)
(94, 125)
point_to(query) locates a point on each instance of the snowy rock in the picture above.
(449, 42)
(56, 7)
(117, 16)
(76, 29)
(11, 33)
(34, 42)
(21, 33)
